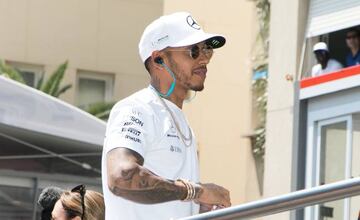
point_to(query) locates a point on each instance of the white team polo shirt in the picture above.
(141, 123)
(331, 66)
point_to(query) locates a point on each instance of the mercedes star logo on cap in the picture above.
(192, 23)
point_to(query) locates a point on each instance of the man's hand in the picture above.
(207, 208)
(212, 194)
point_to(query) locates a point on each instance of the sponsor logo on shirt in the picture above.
(128, 123)
(131, 130)
(137, 140)
(133, 121)
(175, 149)
(172, 136)
(172, 132)
(136, 121)
(172, 128)
(135, 112)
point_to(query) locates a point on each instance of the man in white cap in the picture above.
(149, 162)
(325, 63)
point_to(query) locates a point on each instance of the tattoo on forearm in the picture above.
(134, 182)
(161, 192)
(140, 185)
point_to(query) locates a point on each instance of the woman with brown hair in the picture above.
(79, 204)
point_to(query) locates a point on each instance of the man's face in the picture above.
(321, 56)
(189, 65)
(352, 40)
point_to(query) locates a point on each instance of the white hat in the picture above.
(174, 30)
(320, 46)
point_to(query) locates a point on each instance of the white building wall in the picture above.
(287, 27)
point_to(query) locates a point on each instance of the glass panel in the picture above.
(332, 165)
(91, 91)
(16, 203)
(29, 78)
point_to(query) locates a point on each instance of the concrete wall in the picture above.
(287, 26)
(94, 35)
(221, 114)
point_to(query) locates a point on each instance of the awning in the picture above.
(327, 16)
(41, 133)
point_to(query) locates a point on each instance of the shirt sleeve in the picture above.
(129, 127)
(338, 65)
(314, 71)
(348, 60)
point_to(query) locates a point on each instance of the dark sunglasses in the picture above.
(351, 36)
(195, 50)
(320, 52)
(81, 190)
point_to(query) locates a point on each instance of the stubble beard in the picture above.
(184, 79)
(197, 88)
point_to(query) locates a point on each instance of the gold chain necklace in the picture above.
(182, 136)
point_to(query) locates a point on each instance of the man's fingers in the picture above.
(227, 200)
(227, 204)
(215, 195)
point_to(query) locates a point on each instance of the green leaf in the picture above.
(10, 72)
(62, 90)
(100, 109)
(51, 86)
(40, 82)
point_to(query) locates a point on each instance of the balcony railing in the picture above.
(294, 200)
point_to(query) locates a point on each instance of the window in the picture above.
(333, 155)
(338, 49)
(31, 73)
(327, 21)
(93, 88)
(332, 159)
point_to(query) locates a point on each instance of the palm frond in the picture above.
(10, 72)
(100, 109)
(51, 86)
(62, 90)
(40, 82)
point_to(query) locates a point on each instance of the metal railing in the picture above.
(294, 200)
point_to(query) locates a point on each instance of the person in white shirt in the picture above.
(149, 162)
(325, 63)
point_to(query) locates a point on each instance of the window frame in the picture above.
(108, 78)
(36, 69)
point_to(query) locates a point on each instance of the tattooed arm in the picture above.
(127, 178)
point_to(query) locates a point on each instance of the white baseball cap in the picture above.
(320, 46)
(175, 30)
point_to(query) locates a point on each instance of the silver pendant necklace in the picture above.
(186, 140)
